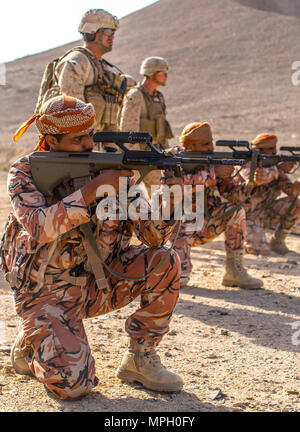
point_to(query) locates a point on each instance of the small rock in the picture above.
(215, 395)
(5, 348)
(172, 333)
(197, 331)
(180, 316)
(193, 297)
(292, 392)
(211, 356)
(224, 332)
(168, 354)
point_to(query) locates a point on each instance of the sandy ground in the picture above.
(237, 350)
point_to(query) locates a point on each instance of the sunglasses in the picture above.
(108, 31)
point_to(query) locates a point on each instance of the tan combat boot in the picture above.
(236, 275)
(277, 243)
(143, 365)
(18, 361)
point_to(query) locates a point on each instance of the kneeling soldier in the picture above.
(220, 214)
(45, 259)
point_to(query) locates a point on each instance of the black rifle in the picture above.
(242, 150)
(49, 169)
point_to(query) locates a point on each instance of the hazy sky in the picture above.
(31, 26)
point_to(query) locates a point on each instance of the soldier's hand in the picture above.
(261, 176)
(296, 189)
(106, 177)
(286, 167)
(224, 171)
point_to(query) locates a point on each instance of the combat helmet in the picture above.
(95, 19)
(151, 65)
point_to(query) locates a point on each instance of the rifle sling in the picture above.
(97, 262)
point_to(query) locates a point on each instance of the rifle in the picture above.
(263, 160)
(49, 169)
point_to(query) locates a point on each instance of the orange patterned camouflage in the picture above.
(52, 309)
(265, 209)
(233, 225)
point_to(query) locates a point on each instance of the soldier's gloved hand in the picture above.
(106, 177)
(286, 167)
(224, 171)
(262, 176)
(296, 189)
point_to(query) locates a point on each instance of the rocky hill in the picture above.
(230, 64)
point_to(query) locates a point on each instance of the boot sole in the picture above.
(131, 377)
(235, 285)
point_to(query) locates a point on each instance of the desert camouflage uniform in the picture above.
(133, 110)
(49, 245)
(216, 193)
(265, 209)
(75, 72)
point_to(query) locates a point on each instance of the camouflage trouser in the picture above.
(283, 213)
(55, 341)
(234, 226)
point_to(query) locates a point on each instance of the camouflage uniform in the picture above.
(76, 74)
(222, 208)
(265, 209)
(54, 289)
(145, 112)
(216, 205)
(79, 73)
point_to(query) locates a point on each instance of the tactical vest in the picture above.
(106, 92)
(156, 122)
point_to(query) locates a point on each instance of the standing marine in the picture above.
(144, 109)
(83, 73)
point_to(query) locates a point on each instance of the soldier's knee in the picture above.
(65, 391)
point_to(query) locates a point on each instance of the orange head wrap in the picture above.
(264, 141)
(60, 115)
(196, 133)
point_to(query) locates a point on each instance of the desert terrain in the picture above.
(237, 350)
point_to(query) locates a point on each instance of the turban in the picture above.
(266, 141)
(60, 115)
(196, 133)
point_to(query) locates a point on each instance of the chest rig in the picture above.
(106, 92)
(156, 122)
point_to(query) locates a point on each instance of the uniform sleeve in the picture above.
(271, 173)
(43, 223)
(285, 184)
(151, 230)
(233, 190)
(74, 73)
(131, 111)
